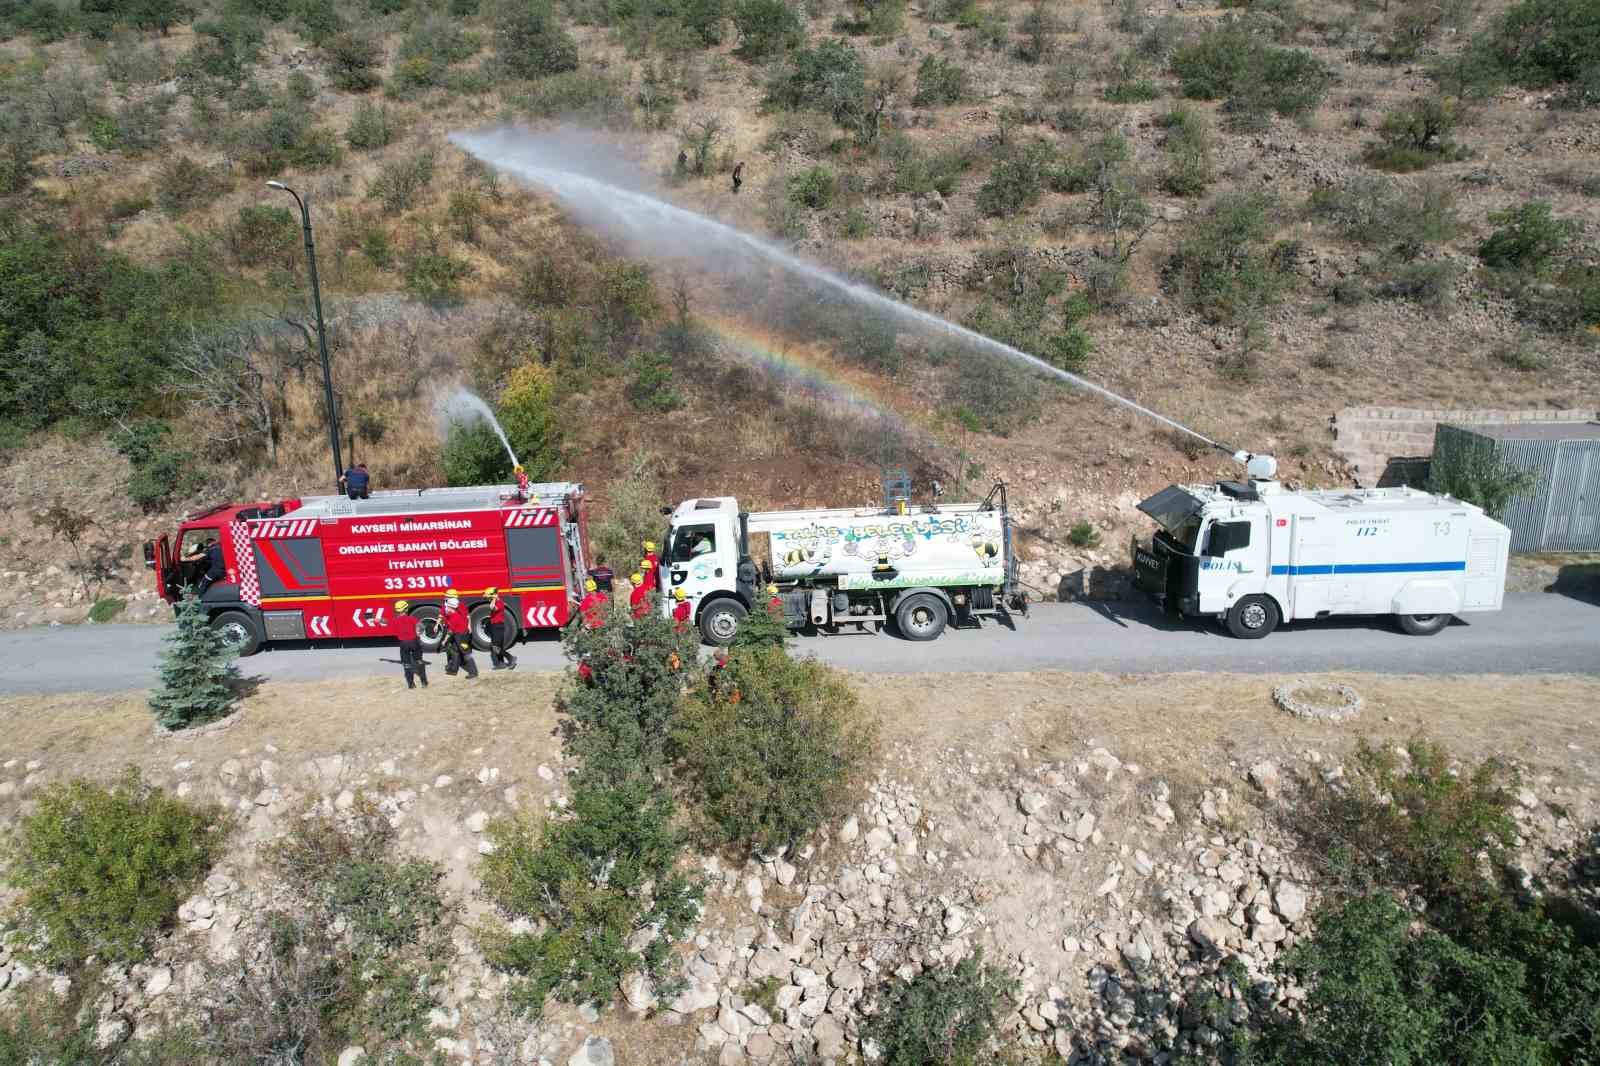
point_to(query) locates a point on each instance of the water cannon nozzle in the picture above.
(1257, 467)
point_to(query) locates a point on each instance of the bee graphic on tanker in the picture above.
(986, 550)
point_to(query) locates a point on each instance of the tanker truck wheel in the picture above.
(720, 621)
(1253, 617)
(238, 631)
(921, 617)
(1422, 625)
(430, 628)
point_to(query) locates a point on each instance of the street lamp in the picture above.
(322, 333)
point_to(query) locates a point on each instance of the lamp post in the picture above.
(322, 333)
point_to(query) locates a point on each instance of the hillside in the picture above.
(1245, 219)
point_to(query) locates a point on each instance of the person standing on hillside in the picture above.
(499, 633)
(593, 605)
(405, 627)
(738, 177)
(458, 641)
(356, 481)
(639, 598)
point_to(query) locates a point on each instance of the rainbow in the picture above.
(807, 377)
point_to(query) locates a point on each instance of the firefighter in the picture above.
(522, 481)
(738, 177)
(405, 627)
(499, 633)
(603, 575)
(458, 641)
(651, 561)
(639, 598)
(355, 481)
(774, 603)
(682, 611)
(211, 553)
(593, 605)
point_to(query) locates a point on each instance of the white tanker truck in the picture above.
(917, 568)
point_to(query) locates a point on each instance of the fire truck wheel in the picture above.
(430, 629)
(1253, 617)
(921, 617)
(720, 621)
(238, 630)
(1422, 625)
(478, 623)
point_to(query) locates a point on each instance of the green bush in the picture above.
(1189, 167)
(1083, 535)
(769, 748)
(527, 412)
(649, 385)
(352, 59)
(1000, 396)
(372, 126)
(530, 41)
(830, 78)
(184, 184)
(401, 181)
(161, 469)
(944, 1016)
(633, 513)
(1475, 474)
(286, 137)
(261, 235)
(106, 608)
(813, 188)
(1416, 135)
(1529, 238)
(1430, 284)
(101, 870)
(1407, 217)
(940, 81)
(765, 27)
(1222, 265)
(590, 881)
(199, 682)
(1227, 61)
(1017, 180)
(1549, 42)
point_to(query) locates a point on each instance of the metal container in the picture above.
(1560, 509)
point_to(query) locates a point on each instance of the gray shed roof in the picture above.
(1535, 430)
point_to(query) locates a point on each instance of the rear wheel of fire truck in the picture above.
(720, 621)
(430, 628)
(478, 621)
(238, 631)
(1422, 625)
(921, 617)
(1253, 617)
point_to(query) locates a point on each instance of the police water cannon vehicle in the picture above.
(1254, 554)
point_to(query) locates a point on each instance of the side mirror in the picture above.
(150, 555)
(667, 511)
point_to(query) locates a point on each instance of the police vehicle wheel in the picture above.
(720, 621)
(921, 617)
(1253, 617)
(1422, 625)
(238, 631)
(430, 628)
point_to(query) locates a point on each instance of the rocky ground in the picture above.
(1123, 866)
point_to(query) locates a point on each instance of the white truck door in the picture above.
(1235, 561)
(1310, 567)
(703, 557)
(1484, 588)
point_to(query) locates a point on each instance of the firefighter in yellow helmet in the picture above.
(682, 610)
(639, 598)
(405, 628)
(594, 605)
(522, 482)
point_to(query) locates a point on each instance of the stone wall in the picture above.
(1368, 437)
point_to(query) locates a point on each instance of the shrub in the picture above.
(1529, 238)
(106, 608)
(264, 235)
(530, 42)
(939, 81)
(769, 748)
(401, 181)
(813, 188)
(1222, 266)
(1016, 181)
(649, 385)
(1408, 217)
(944, 1016)
(101, 870)
(1001, 397)
(1549, 42)
(1188, 148)
(1473, 472)
(632, 513)
(353, 59)
(1416, 135)
(372, 126)
(286, 137)
(765, 27)
(199, 682)
(594, 882)
(1431, 284)
(184, 184)
(829, 78)
(1228, 61)
(1083, 535)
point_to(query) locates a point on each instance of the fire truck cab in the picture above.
(327, 570)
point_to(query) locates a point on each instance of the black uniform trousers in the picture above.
(500, 635)
(411, 662)
(458, 654)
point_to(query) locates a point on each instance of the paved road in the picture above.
(1536, 633)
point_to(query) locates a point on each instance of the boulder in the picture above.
(594, 1051)
(1289, 900)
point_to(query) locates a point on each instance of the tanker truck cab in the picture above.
(1254, 555)
(703, 551)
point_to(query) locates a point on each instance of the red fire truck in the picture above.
(327, 570)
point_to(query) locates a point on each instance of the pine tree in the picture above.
(198, 679)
